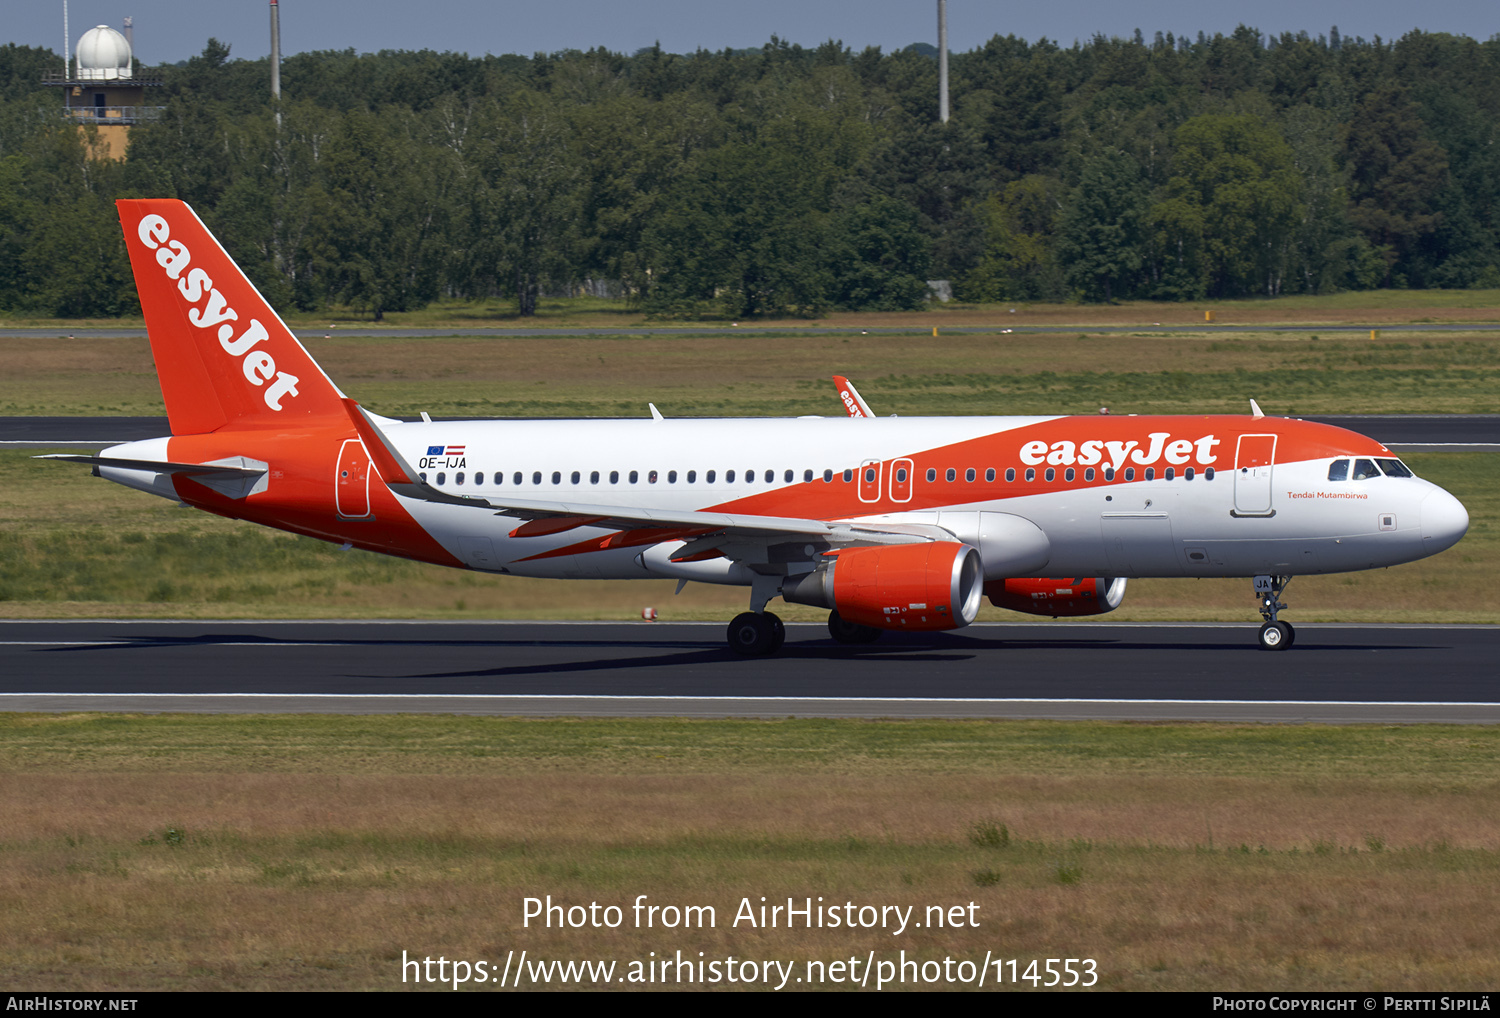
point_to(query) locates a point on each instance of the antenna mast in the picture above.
(276, 59)
(943, 60)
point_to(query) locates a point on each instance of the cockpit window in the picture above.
(1395, 468)
(1338, 470)
(1365, 469)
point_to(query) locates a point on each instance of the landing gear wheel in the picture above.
(1291, 633)
(1275, 636)
(755, 634)
(850, 632)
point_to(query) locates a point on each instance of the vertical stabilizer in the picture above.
(223, 356)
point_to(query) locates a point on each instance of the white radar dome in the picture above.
(103, 55)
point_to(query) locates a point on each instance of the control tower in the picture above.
(101, 88)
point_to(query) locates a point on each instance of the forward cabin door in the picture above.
(1253, 459)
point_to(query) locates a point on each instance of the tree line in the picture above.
(784, 179)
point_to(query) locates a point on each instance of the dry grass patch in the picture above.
(309, 853)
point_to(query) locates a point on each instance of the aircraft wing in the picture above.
(548, 517)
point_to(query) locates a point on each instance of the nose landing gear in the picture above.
(1275, 634)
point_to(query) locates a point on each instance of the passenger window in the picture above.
(479, 478)
(951, 475)
(1171, 473)
(671, 477)
(594, 477)
(788, 477)
(1208, 473)
(848, 476)
(1030, 474)
(517, 478)
(901, 475)
(1150, 473)
(1338, 470)
(1187, 474)
(442, 478)
(771, 477)
(1395, 468)
(1365, 469)
(1051, 474)
(651, 477)
(1010, 473)
(709, 477)
(635, 476)
(614, 477)
(729, 477)
(989, 475)
(1109, 473)
(576, 477)
(557, 477)
(536, 477)
(458, 478)
(828, 477)
(1088, 475)
(969, 475)
(869, 475)
(692, 476)
(1130, 473)
(806, 476)
(423, 476)
(1068, 474)
(749, 476)
(931, 475)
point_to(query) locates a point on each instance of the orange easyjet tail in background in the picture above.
(224, 357)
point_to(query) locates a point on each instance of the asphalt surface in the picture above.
(1432, 430)
(1334, 673)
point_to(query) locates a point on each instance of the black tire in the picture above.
(778, 632)
(1291, 634)
(1275, 636)
(850, 632)
(750, 635)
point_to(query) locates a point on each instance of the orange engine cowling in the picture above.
(1091, 595)
(934, 585)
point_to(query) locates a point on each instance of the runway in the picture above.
(1336, 673)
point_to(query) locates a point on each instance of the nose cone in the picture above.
(1444, 521)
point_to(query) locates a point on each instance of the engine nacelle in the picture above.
(929, 586)
(1091, 595)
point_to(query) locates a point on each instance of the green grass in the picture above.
(787, 374)
(1437, 759)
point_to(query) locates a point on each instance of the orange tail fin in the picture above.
(223, 356)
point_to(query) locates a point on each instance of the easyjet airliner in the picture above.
(890, 523)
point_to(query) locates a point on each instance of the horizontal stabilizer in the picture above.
(186, 469)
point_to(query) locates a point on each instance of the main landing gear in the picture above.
(756, 634)
(850, 632)
(1274, 635)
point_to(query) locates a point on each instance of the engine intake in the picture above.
(930, 586)
(1092, 595)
